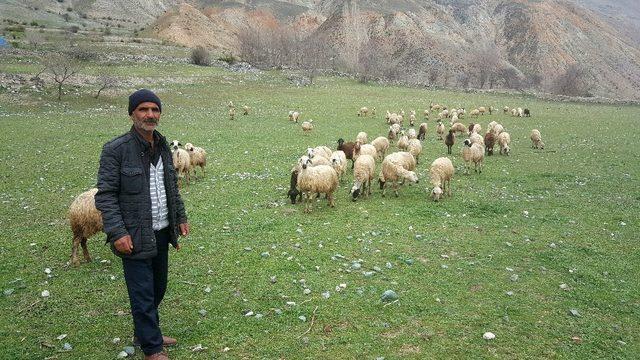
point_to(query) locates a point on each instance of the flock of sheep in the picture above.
(320, 170)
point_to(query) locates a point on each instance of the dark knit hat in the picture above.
(143, 95)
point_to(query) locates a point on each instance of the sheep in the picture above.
(294, 116)
(472, 153)
(232, 113)
(471, 125)
(364, 149)
(482, 110)
(373, 111)
(362, 137)
(449, 140)
(445, 113)
(403, 142)
(347, 148)
(426, 113)
(338, 161)
(198, 157)
(397, 166)
(412, 119)
(476, 128)
(504, 139)
(475, 112)
(230, 104)
(422, 131)
(322, 151)
(321, 179)
(527, 113)
(489, 142)
(440, 175)
(387, 117)
(435, 107)
(497, 129)
(307, 126)
(514, 112)
(440, 130)
(85, 221)
(454, 119)
(396, 128)
(245, 110)
(415, 149)
(461, 113)
(491, 126)
(293, 186)
(381, 144)
(362, 175)
(459, 128)
(536, 139)
(181, 162)
(505, 110)
(476, 138)
(363, 111)
(411, 134)
(520, 112)
(391, 135)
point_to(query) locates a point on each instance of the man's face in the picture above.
(146, 117)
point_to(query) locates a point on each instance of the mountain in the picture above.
(476, 43)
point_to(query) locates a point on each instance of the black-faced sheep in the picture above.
(293, 186)
(440, 175)
(527, 113)
(472, 153)
(321, 179)
(85, 221)
(363, 173)
(397, 166)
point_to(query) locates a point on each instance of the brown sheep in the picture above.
(489, 142)
(449, 140)
(347, 147)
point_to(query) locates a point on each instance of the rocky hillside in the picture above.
(446, 42)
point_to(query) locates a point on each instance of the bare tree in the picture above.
(105, 81)
(511, 77)
(572, 82)
(61, 67)
(484, 63)
(34, 38)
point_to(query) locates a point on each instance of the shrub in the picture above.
(200, 56)
(34, 23)
(228, 58)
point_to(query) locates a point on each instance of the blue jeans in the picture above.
(146, 283)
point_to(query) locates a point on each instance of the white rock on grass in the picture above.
(489, 335)
(45, 293)
(122, 355)
(388, 296)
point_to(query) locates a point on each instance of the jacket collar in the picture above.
(158, 139)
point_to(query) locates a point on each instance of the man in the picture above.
(142, 213)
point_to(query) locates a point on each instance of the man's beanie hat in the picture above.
(143, 95)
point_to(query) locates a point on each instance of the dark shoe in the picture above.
(166, 341)
(157, 356)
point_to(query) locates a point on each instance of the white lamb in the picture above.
(440, 175)
(321, 150)
(338, 161)
(397, 166)
(362, 137)
(307, 126)
(476, 138)
(415, 149)
(536, 139)
(472, 153)
(363, 172)
(198, 158)
(381, 144)
(364, 149)
(504, 139)
(440, 130)
(411, 134)
(181, 162)
(320, 179)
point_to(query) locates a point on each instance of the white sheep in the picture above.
(338, 161)
(232, 113)
(415, 149)
(440, 175)
(307, 126)
(294, 116)
(403, 141)
(520, 112)
(475, 112)
(245, 110)
(476, 128)
(497, 129)
(320, 179)
(198, 157)
(459, 128)
(476, 138)
(364, 149)
(440, 130)
(482, 110)
(381, 144)
(536, 139)
(181, 162)
(411, 134)
(514, 112)
(362, 137)
(85, 221)
(397, 166)
(363, 172)
(504, 139)
(472, 153)
(363, 111)
(396, 128)
(505, 110)
(321, 150)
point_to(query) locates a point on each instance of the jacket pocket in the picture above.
(131, 180)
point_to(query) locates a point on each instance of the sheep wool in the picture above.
(473, 152)
(440, 175)
(85, 221)
(395, 167)
(307, 126)
(321, 179)
(415, 149)
(362, 137)
(198, 157)
(536, 139)
(181, 162)
(363, 173)
(338, 161)
(459, 128)
(422, 130)
(504, 139)
(381, 144)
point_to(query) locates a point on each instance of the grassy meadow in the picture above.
(489, 259)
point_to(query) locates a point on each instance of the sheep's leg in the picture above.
(331, 200)
(74, 251)
(307, 203)
(395, 188)
(85, 250)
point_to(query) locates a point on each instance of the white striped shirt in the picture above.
(159, 210)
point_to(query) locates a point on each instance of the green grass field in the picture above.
(565, 215)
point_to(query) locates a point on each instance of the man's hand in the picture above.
(124, 245)
(184, 229)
